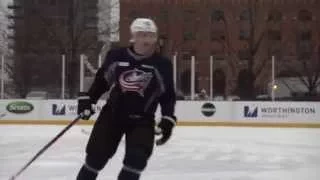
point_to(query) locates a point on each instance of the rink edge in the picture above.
(181, 123)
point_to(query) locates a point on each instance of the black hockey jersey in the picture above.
(136, 84)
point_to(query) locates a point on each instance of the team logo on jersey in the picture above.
(135, 81)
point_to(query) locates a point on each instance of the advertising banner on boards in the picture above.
(186, 111)
(66, 109)
(202, 111)
(19, 109)
(277, 111)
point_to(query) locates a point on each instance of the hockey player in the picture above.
(137, 80)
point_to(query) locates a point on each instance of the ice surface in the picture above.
(206, 153)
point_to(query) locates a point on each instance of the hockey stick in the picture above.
(46, 147)
(2, 115)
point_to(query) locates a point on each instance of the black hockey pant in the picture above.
(104, 140)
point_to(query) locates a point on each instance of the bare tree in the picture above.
(4, 31)
(307, 70)
(35, 54)
(82, 34)
(108, 24)
(306, 65)
(5, 51)
(251, 56)
(191, 31)
(74, 32)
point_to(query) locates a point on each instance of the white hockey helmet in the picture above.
(144, 25)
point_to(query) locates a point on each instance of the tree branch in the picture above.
(318, 84)
(298, 74)
(258, 43)
(262, 66)
(308, 72)
(317, 72)
(287, 85)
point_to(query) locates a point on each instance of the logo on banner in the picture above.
(65, 109)
(250, 112)
(58, 109)
(208, 109)
(20, 107)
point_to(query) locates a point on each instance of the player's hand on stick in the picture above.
(85, 109)
(164, 129)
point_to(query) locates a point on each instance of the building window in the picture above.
(189, 15)
(217, 36)
(188, 35)
(186, 55)
(164, 15)
(35, 2)
(305, 36)
(53, 2)
(62, 21)
(304, 46)
(217, 15)
(275, 50)
(304, 56)
(244, 54)
(304, 16)
(42, 2)
(218, 58)
(245, 15)
(274, 35)
(275, 16)
(244, 35)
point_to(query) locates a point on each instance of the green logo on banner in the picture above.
(20, 107)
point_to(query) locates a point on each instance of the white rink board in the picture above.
(20, 109)
(186, 111)
(65, 109)
(196, 111)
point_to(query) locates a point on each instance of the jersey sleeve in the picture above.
(102, 83)
(168, 98)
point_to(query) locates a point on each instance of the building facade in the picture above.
(236, 34)
(44, 30)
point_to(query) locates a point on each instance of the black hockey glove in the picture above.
(85, 106)
(164, 128)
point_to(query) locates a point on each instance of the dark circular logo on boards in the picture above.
(208, 109)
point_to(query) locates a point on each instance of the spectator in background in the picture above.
(203, 95)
